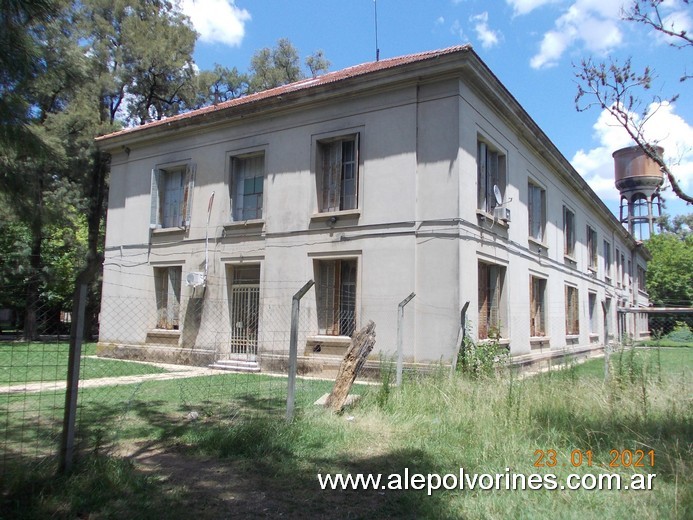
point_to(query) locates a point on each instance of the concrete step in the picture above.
(236, 365)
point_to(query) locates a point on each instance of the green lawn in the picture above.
(239, 458)
(628, 362)
(32, 362)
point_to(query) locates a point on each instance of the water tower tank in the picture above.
(638, 179)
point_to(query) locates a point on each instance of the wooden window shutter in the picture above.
(154, 206)
(481, 176)
(188, 186)
(483, 301)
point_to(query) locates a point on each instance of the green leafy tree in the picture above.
(219, 85)
(270, 68)
(93, 63)
(670, 272)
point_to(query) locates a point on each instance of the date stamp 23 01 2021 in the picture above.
(617, 459)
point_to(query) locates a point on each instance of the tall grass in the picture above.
(436, 424)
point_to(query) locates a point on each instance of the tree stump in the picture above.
(361, 346)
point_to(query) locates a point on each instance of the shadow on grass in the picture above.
(264, 467)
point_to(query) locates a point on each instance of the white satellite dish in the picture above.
(497, 193)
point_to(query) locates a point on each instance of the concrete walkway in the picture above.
(173, 372)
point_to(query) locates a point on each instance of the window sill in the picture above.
(503, 342)
(168, 230)
(570, 261)
(538, 243)
(608, 280)
(244, 224)
(482, 216)
(165, 332)
(539, 341)
(325, 345)
(572, 337)
(336, 215)
(594, 336)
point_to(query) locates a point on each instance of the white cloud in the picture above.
(521, 7)
(217, 21)
(489, 38)
(440, 20)
(666, 127)
(592, 24)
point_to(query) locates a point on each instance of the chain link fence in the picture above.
(152, 367)
(211, 362)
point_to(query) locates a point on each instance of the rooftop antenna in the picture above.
(377, 49)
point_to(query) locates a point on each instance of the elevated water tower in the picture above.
(638, 179)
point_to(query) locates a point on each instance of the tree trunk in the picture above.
(34, 283)
(96, 190)
(361, 346)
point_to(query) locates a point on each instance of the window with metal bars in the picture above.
(338, 173)
(537, 306)
(335, 291)
(491, 312)
(572, 311)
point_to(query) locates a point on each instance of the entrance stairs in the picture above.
(236, 365)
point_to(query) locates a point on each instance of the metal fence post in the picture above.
(67, 445)
(460, 338)
(293, 349)
(606, 342)
(400, 349)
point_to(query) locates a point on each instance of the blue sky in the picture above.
(531, 46)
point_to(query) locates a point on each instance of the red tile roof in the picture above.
(304, 84)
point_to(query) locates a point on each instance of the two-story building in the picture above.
(413, 174)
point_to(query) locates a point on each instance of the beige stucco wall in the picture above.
(418, 229)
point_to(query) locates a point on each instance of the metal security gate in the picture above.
(245, 312)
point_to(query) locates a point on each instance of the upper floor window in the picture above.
(171, 197)
(338, 173)
(536, 206)
(607, 260)
(641, 278)
(490, 172)
(592, 248)
(568, 232)
(247, 186)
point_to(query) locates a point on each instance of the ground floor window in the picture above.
(572, 311)
(335, 291)
(593, 313)
(607, 311)
(167, 281)
(492, 317)
(537, 306)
